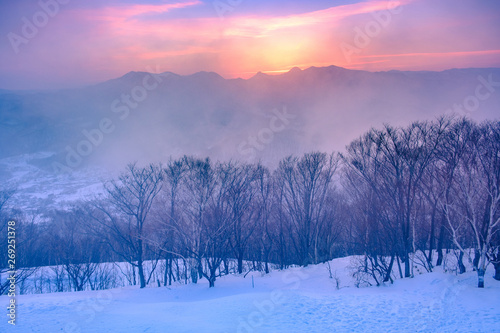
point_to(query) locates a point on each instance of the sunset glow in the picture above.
(88, 43)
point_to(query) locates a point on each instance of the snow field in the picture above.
(293, 300)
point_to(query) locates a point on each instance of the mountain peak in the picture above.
(259, 75)
(132, 75)
(140, 75)
(205, 74)
(295, 70)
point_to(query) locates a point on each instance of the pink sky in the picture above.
(85, 44)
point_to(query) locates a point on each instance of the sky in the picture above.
(53, 44)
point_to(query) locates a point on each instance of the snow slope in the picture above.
(294, 300)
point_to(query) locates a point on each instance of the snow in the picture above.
(38, 186)
(293, 300)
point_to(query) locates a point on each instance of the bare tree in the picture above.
(78, 252)
(472, 201)
(206, 230)
(241, 192)
(431, 188)
(266, 234)
(393, 162)
(130, 200)
(200, 186)
(306, 184)
(372, 230)
(175, 172)
(216, 227)
(495, 260)
(25, 243)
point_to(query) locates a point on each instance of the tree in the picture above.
(131, 198)
(306, 185)
(393, 162)
(5, 196)
(175, 172)
(25, 243)
(241, 192)
(79, 252)
(472, 200)
(216, 227)
(266, 230)
(200, 186)
(373, 231)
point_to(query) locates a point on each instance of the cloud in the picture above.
(253, 26)
(125, 12)
(435, 54)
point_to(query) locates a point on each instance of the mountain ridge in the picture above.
(203, 112)
(65, 142)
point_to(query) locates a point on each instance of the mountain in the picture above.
(149, 117)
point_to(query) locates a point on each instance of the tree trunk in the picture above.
(481, 269)
(212, 277)
(165, 275)
(497, 270)
(389, 270)
(399, 268)
(432, 237)
(240, 264)
(475, 262)
(406, 240)
(133, 275)
(440, 245)
(461, 266)
(142, 278)
(193, 270)
(194, 275)
(140, 268)
(407, 265)
(480, 278)
(200, 271)
(171, 273)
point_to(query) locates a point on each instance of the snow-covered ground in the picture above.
(294, 300)
(37, 185)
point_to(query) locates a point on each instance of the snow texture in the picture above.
(293, 300)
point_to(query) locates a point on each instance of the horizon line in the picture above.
(263, 72)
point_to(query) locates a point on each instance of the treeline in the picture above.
(398, 197)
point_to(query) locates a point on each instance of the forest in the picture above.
(397, 198)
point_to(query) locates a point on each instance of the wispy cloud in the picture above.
(127, 12)
(252, 26)
(435, 54)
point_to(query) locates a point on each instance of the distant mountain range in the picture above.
(149, 117)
